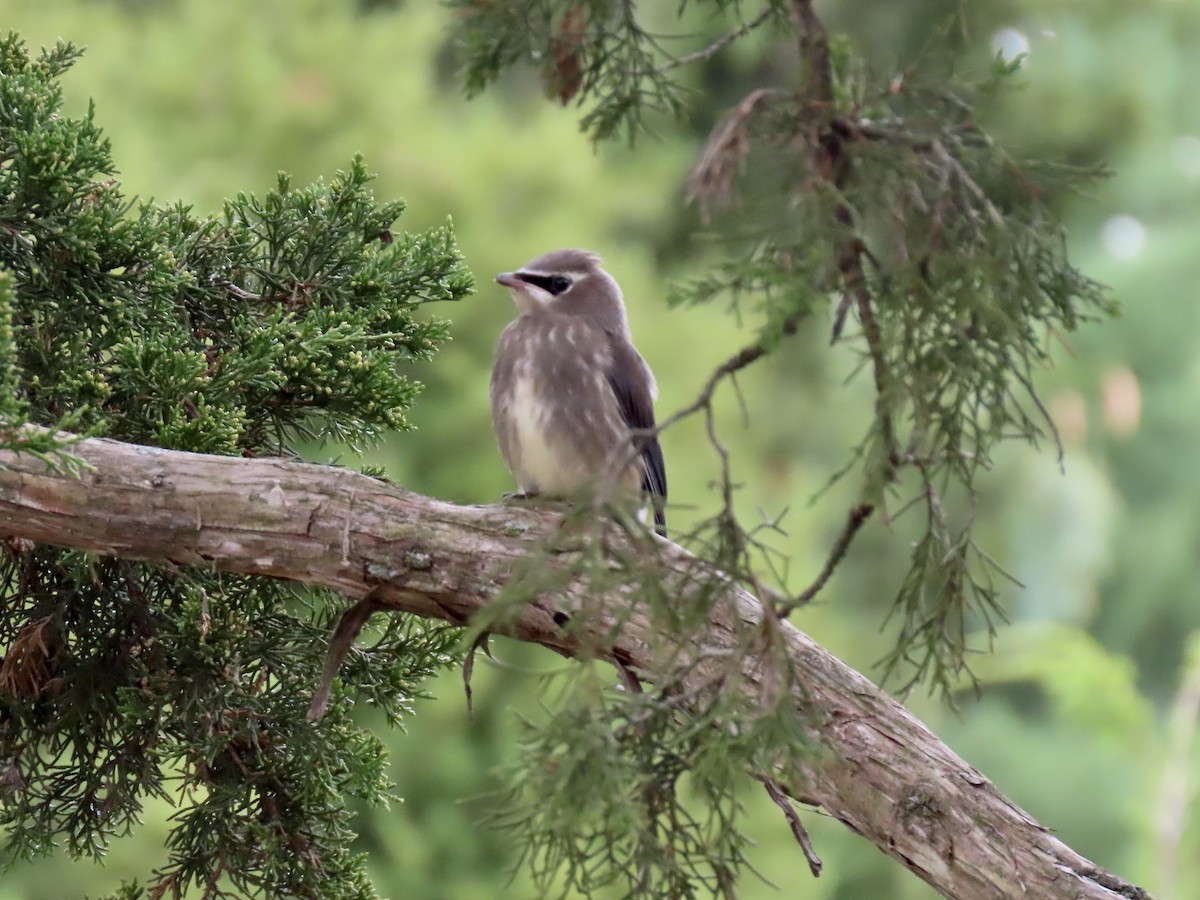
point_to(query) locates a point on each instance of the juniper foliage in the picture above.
(287, 316)
(874, 199)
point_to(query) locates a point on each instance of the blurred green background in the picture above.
(1089, 698)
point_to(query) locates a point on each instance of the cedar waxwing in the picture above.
(569, 389)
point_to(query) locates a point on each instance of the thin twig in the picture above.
(948, 159)
(165, 881)
(469, 667)
(852, 271)
(211, 889)
(1026, 383)
(799, 832)
(720, 43)
(854, 521)
(740, 360)
(348, 627)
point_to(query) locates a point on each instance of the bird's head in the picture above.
(569, 282)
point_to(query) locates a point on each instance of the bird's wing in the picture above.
(633, 385)
(508, 349)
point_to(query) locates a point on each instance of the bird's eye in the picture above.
(559, 283)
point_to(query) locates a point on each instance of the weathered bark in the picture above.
(884, 774)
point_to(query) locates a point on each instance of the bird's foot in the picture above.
(537, 501)
(518, 497)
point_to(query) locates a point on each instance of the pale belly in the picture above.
(541, 463)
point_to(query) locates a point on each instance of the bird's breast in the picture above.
(556, 416)
(540, 461)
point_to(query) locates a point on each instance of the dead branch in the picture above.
(348, 628)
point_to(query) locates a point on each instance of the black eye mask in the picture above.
(555, 284)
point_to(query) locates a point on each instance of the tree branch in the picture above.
(711, 50)
(855, 519)
(814, 52)
(799, 832)
(883, 774)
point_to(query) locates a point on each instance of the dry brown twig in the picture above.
(711, 180)
(799, 832)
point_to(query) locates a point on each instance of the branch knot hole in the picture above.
(923, 815)
(418, 561)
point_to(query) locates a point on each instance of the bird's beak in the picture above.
(509, 280)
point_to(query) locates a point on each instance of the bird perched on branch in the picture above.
(572, 399)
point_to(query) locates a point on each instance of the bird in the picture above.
(572, 399)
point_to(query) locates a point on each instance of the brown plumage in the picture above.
(569, 390)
